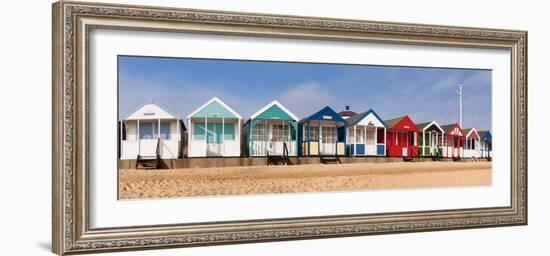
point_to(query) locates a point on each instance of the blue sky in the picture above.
(425, 94)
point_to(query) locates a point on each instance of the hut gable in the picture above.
(366, 118)
(427, 126)
(453, 129)
(325, 114)
(401, 123)
(214, 108)
(149, 111)
(471, 133)
(485, 135)
(274, 110)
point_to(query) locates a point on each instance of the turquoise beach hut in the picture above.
(270, 130)
(214, 130)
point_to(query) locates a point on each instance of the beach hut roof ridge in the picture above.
(217, 100)
(324, 111)
(271, 104)
(485, 135)
(156, 104)
(468, 131)
(446, 127)
(426, 125)
(392, 122)
(358, 117)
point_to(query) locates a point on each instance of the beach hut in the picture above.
(430, 139)
(486, 144)
(269, 130)
(214, 130)
(472, 145)
(454, 140)
(401, 137)
(318, 134)
(150, 131)
(365, 134)
(347, 113)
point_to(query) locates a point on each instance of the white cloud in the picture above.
(181, 98)
(306, 98)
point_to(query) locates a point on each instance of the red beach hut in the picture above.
(401, 137)
(454, 140)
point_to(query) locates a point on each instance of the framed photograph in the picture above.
(180, 127)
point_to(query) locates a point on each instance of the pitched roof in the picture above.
(275, 108)
(392, 122)
(323, 113)
(449, 126)
(485, 135)
(347, 113)
(425, 125)
(358, 117)
(421, 126)
(214, 108)
(467, 132)
(149, 111)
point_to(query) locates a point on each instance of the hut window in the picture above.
(360, 136)
(198, 131)
(313, 133)
(261, 132)
(350, 135)
(380, 132)
(214, 133)
(229, 131)
(164, 130)
(328, 134)
(280, 132)
(370, 137)
(147, 130)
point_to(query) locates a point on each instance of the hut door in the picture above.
(328, 140)
(280, 135)
(404, 143)
(213, 139)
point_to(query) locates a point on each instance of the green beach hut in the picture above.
(270, 130)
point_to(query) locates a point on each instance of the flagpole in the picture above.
(460, 94)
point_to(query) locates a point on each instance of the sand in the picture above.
(136, 184)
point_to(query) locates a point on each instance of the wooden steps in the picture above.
(330, 159)
(147, 163)
(277, 160)
(150, 162)
(409, 159)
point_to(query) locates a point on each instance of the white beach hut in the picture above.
(214, 130)
(472, 146)
(150, 132)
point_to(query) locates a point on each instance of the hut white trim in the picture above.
(147, 128)
(214, 130)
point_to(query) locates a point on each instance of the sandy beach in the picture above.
(135, 184)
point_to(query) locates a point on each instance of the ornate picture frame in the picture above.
(72, 23)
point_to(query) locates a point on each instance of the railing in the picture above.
(158, 153)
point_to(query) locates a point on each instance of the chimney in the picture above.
(347, 108)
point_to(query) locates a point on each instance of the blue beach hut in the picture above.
(365, 134)
(486, 144)
(319, 135)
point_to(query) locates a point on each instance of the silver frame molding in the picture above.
(72, 23)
